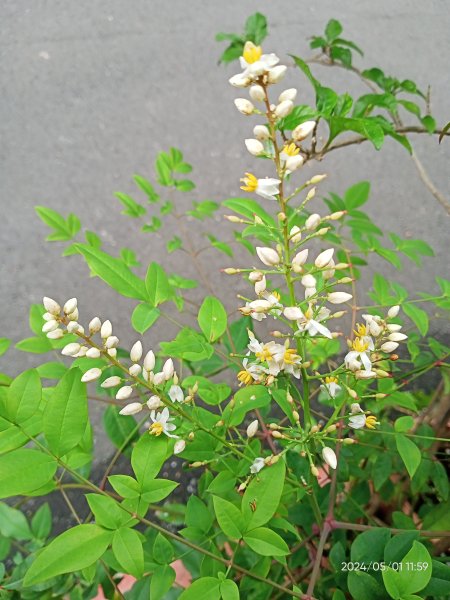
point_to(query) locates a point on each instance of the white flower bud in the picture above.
(337, 215)
(149, 361)
(70, 306)
(71, 349)
(73, 316)
(159, 378)
(124, 392)
(260, 286)
(393, 311)
(339, 297)
(302, 131)
(131, 409)
(168, 369)
(254, 147)
(48, 316)
(56, 334)
(154, 402)
(240, 81)
(276, 74)
(179, 447)
(300, 258)
(91, 375)
(73, 327)
(51, 306)
(365, 374)
(136, 351)
(111, 382)
(292, 313)
(324, 258)
(392, 327)
(294, 162)
(244, 106)
(389, 346)
(112, 342)
(308, 281)
(355, 408)
(284, 108)
(329, 457)
(135, 370)
(268, 256)
(255, 276)
(50, 326)
(289, 94)
(316, 179)
(252, 428)
(93, 353)
(310, 291)
(312, 222)
(256, 93)
(374, 328)
(295, 234)
(261, 133)
(106, 329)
(95, 326)
(81, 352)
(330, 270)
(112, 352)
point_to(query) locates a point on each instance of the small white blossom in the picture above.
(295, 234)
(159, 378)
(255, 147)
(154, 402)
(149, 361)
(244, 106)
(168, 369)
(331, 386)
(162, 423)
(323, 260)
(70, 306)
(261, 133)
(308, 281)
(267, 187)
(397, 337)
(284, 108)
(179, 447)
(111, 382)
(51, 306)
(302, 131)
(268, 256)
(136, 351)
(106, 329)
(289, 94)
(311, 322)
(256, 93)
(124, 392)
(312, 222)
(176, 393)
(135, 370)
(339, 297)
(95, 325)
(50, 326)
(56, 334)
(71, 349)
(393, 311)
(93, 353)
(91, 375)
(329, 456)
(276, 74)
(389, 346)
(131, 409)
(357, 355)
(257, 465)
(252, 428)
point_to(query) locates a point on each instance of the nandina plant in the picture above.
(317, 460)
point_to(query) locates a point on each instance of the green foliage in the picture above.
(255, 31)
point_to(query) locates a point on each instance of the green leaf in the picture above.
(184, 185)
(188, 345)
(245, 400)
(41, 523)
(66, 413)
(13, 523)
(333, 29)
(212, 318)
(157, 285)
(439, 583)
(24, 470)
(113, 272)
(229, 517)
(248, 208)
(35, 345)
(409, 453)
(229, 590)
(51, 370)
(127, 548)
(107, 512)
(440, 480)
(162, 550)
(263, 495)
(158, 489)
(4, 345)
(146, 187)
(147, 458)
(206, 587)
(368, 128)
(132, 208)
(414, 574)
(403, 424)
(256, 28)
(266, 542)
(399, 545)
(209, 392)
(64, 229)
(119, 427)
(418, 316)
(298, 115)
(370, 545)
(357, 195)
(125, 486)
(161, 581)
(75, 549)
(363, 586)
(24, 396)
(144, 316)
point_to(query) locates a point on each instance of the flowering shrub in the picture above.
(318, 470)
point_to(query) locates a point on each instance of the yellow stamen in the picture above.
(245, 377)
(251, 183)
(265, 354)
(361, 330)
(251, 52)
(291, 149)
(276, 295)
(156, 428)
(331, 380)
(359, 346)
(371, 422)
(290, 356)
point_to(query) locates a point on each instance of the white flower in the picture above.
(284, 108)
(91, 375)
(329, 457)
(159, 378)
(240, 80)
(276, 74)
(392, 312)
(389, 346)
(302, 131)
(95, 325)
(255, 63)
(51, 306)
(292, 313)
(70, 306)
(50, 326)
(359, 419)
(251, 372)
(267, 187)
(397, 337)
(289, 94)
(154, 402)
(268, 256)
(111, 382)
(358, 355)
(176, 393)
(149, 361)
(291, 158)
(324, 258)
(254, 147)
(71, 349)
(131, 409)
(136, 351)
(331, 386)
(124, 392)
(106, 329)
(256, 93)
(287, 360)
(168, 369)
(74, 327)
(261, 132)
(257, 465)
(252, 428)
(311, 322)
(312, 222)
(339, 297)
(162, 423)
(299, 260)
(56, 334)
(260, 286)
(393, 327)
(255, 276)
(295, 234)
(244, 106)
(179, 447)
(135, 370)
(308, 281)
(112, 342)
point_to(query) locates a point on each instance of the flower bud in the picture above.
(159, 378)
(277, 434)
(393, 311)
(337, 215)
(112, 352)
(330, 429)
(91, 375)
(345, 280)
(111, 382)
(50, 326)
(300, 258)
(149, 361)
(308, 281)
(260, 286)
(255, 276)
(179, 447)
(324, 258)
(240, 81)
(135, 370)
(124, 392)
(365, 374)
(111, 342)
(339, 297)
(348, 441)
(154, 402)
(252, 428)
(316, 179)
(231, 271)
(74, 327)
(389, 346)
(381, 373)
(314, 471)
(168, 369)
(56, 334)
(294, 162)
(106, 329)
(244, 106)
(289, 94)
(256, 93)
(302, 131)
(312, 222)
(276, 74)
(70, 306)
(268, 256)
(51, 306)
(292, 313)
(93, 353)
(329, 457)
(323, 231)
(136, 351)
(255, 147)
(131, 409)
(95, 325)
(73, 316)
(295, 234)
(71, 349)
(284, 108)
(261, 133)
(397, 337)
(392, 327)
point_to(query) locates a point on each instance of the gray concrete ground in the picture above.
(93, 90)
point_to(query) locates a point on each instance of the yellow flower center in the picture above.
(251, 52)
(250, 181)
(331, 379)
(156, 428)
(265, 354)
(245, 377)
(361, 330)
(309, 313)
(371, 422)
(277, 296)
(359, 346)
(290, 356)
(291, 149)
